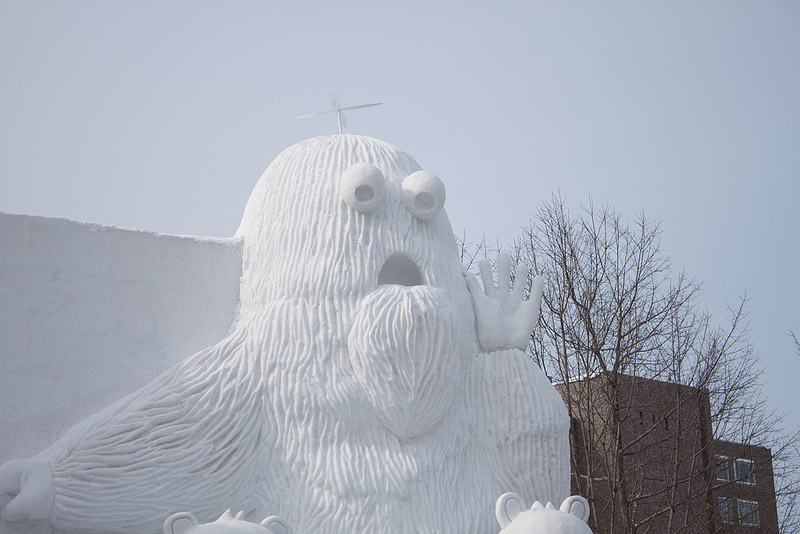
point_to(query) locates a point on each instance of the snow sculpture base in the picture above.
(352, 393)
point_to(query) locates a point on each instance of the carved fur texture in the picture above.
(338, 403)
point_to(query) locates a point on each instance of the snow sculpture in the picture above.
(185, 523)
(569, 518)
(365, 385)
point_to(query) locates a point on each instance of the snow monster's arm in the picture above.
(192, 439)
(520, 413)
(524, 424)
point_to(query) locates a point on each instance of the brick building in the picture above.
(643, 453)
(744, 489)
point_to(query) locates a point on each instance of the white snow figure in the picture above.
(365, 386)
(569, 518)
(186, 523)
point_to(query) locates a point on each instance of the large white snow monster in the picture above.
(365, 386)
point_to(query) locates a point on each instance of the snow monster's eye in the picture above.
(423, 194)
(363, 187)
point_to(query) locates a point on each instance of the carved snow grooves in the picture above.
(124, 446)
(400, 338)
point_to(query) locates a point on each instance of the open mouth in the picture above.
(400, 270)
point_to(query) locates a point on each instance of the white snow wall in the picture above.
(90, 313)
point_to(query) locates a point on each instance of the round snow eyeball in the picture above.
(423, 194)
(363, 187)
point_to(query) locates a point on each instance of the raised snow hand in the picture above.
(185, 523)
(569, 518)
(26, 489)
(504, 319)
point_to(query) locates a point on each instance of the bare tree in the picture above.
(787, 469)
(472, 252)
(652, 385)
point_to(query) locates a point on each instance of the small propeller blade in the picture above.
(335, 102)
(362, 106)
(317, 113)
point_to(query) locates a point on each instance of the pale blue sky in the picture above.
(162, 116)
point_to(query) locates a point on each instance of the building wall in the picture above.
(758, 488)
(654, 439)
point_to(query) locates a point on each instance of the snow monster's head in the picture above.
(353, 228)
(339, 215)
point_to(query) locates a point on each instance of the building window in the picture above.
(748, 513)
(726, 510)
(744, 471)
(722, 469)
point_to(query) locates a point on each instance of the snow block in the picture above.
(90, 313)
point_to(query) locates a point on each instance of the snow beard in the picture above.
(404, 348)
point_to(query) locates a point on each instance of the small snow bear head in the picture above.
(569, 518)
(185, 523)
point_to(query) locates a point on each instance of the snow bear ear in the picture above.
(362, 187)
(179, 523)
(577, 506)
(276, 525)
(508, 506)
(226, 516)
